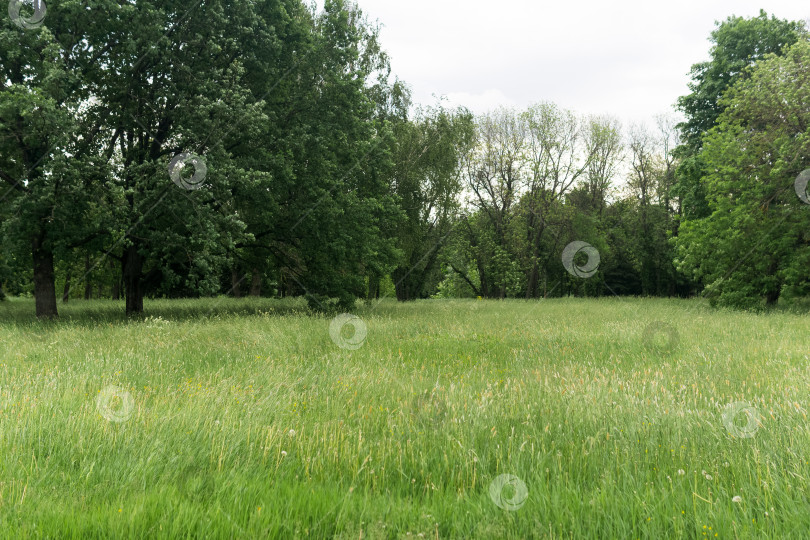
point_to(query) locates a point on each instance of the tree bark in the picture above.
(256, 283)
(116, 284)
(289, 286)
(532, 282)
(133, 268)
(44, 280)
(403, 285)
(482, 278)
(116, 288)
(466, 278)
(66, 291)
(373, 286)
(400, 287)
(533, 277)
(773, 292)
(236, 281)
(88, 283)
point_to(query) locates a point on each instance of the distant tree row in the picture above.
(155, 149)
(539, 179)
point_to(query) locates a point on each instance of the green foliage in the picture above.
(427, 182)
(545, 177)
(738, 43)
(322, 181)
(753, 247)
(286, 109)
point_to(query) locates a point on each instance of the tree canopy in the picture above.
(755, 243)
(157, 149)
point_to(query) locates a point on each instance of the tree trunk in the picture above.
(289, 284)
(44, 280)
(133, 268)
(88, 283)
(401, 285)
(256, 283)
(236, 281)
(66, 291)
(773, 292)
(533, 279)
(116, 288)
(483, 279)
(531, 284)
(116, 284)
(373, 286)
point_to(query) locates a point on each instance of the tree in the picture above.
(754, 245)
(561, 150)
(45, 140)
(332, 211)
(738, 43)
(172, 93)
(427, 182)
(604, 146)
(647, 184)
(186, 142)
(493, 171)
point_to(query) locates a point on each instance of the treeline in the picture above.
(154, 149)
(535, 181)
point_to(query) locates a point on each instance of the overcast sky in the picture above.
(628, 58)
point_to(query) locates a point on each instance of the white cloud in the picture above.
(628, 58)
(480, 103)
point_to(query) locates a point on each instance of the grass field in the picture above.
(246, 418)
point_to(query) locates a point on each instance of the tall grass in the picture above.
(245, 418)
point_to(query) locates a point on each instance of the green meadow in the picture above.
(565, 418)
